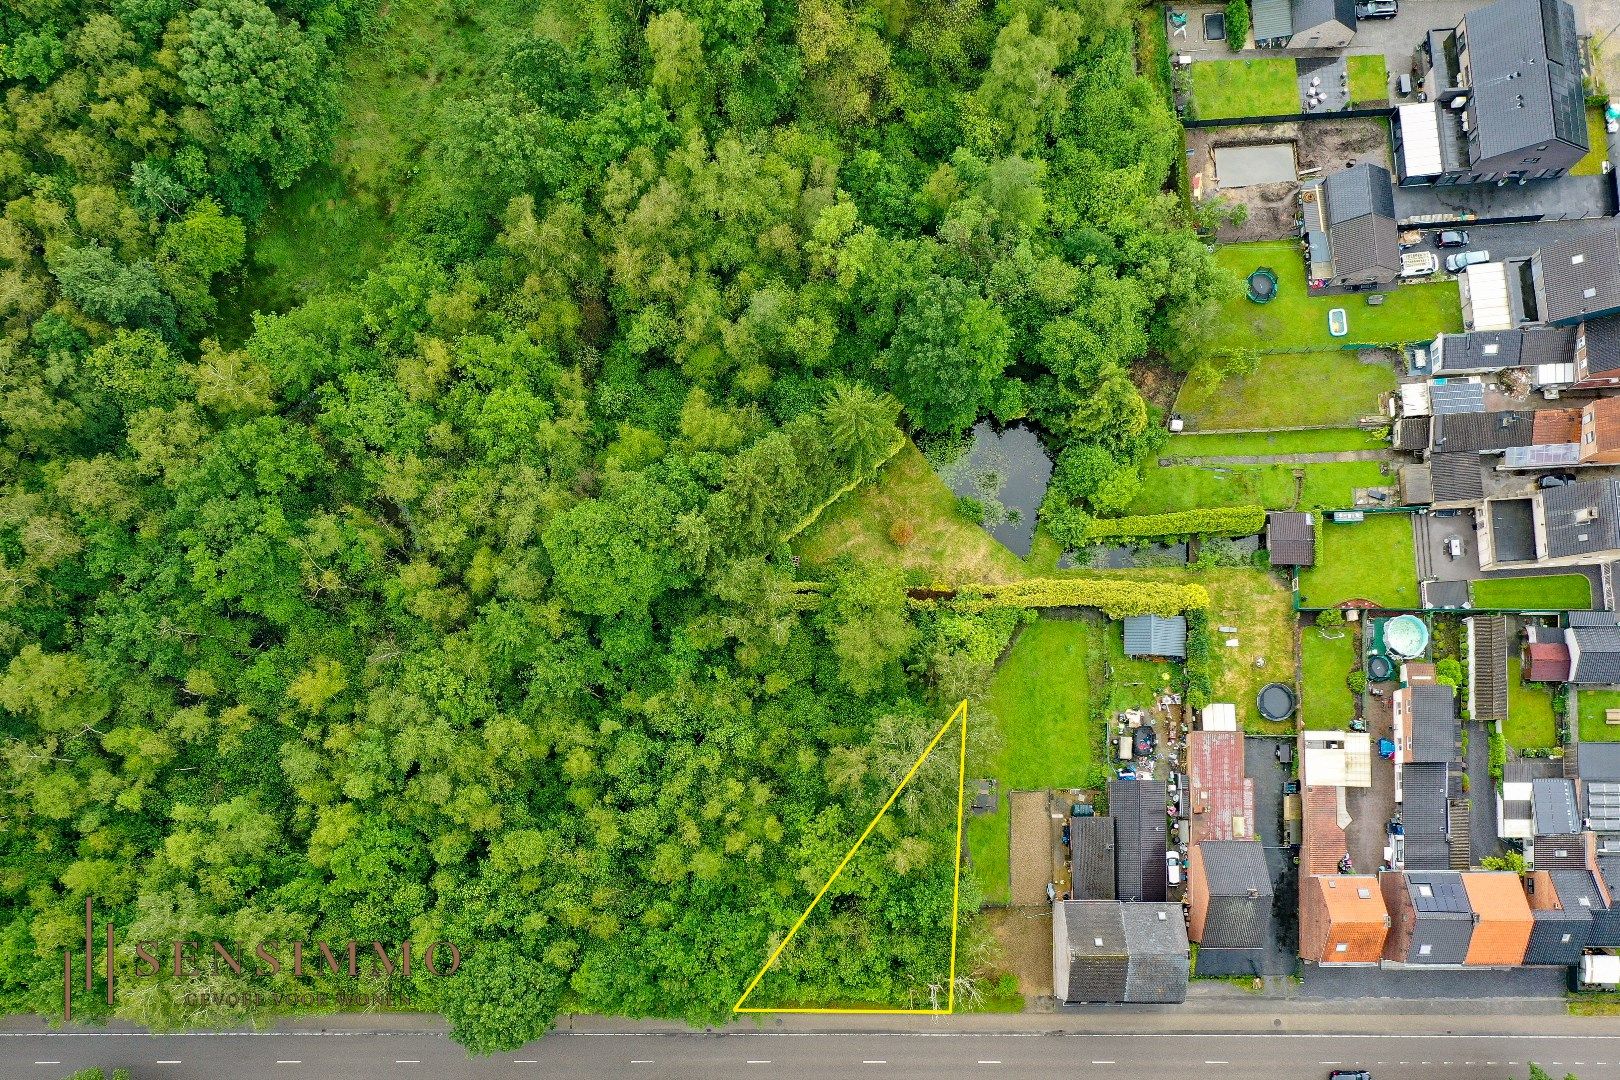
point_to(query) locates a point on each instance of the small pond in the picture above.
(1007, 471)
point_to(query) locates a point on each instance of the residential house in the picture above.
(1562, 905)
(1597, 354)
(1291, 538)
(1577, 279)
(1505, 103)
(1547, 352)
(1425, 721)
(1554, 807)
(1600, 432)
(1574, 525)
(1431, 918)
(1138, 809)
(1162, 636)
(1112, 952)
(1229, 897)
(1350, 228)
(1594, 655)
(1324, 846)
(1425, 809)
(1502, 919)
(1343, 919)
(1322, 24)
(1222, 796)
(1091, 858)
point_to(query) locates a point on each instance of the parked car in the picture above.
(1172, 867)
(1349, 1074)
(1451, 238)
(1418, 264)
(1464, 259)
(1377, 9)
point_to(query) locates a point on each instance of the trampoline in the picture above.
(1262, 285)
(1380, 668)
(1276, 701)
(1406, 636)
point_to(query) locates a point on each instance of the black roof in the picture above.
(1091, 858)
(1582, 518)
(1118, 952)
(1526, 79)
(1555, 811)
(1557, 936)
(1426, 814)
(1412, 433)
(1599, 761)
(1595, 655)
(1457, 477)
(1433, 723)
(1291, 538)
(1565, 852)
(1443, 919)
(1239, 913)
(1312, 13)
(1596, 617)
(1480, 431)
(1137, 807)
(1602, 344)
(1580, 275)
(1494, 350)
(1361, 217)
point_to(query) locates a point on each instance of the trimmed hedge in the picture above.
(1209, 521)
(1116, 599)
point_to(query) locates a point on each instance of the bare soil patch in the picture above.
(1024, 940)
(1031, 848)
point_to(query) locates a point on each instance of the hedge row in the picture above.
(1210, 521)
(1116, 599)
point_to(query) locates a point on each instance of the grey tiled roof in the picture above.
(1595, 655)
(1312, 13)
(1444, 918)
(1291, 538)
(1599, 761)
(1587, 618)
(1494, 350)
(1554, 801)
(1091, 857)
(1603, 345)
(1156, 635)
(1433, 722)
(1120, 952)
(1526, 79)
(1239, 914)
(1445, 594)
(1361, 218)
(1581, 275)
(1488, 667)
(1480, 431)
(1582, 518)
(1412, 433)
(1156, 941)
(1137, 807)
(1426, 815)
(1457, 477)
(1558, 936)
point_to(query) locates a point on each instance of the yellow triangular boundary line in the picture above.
(960, 712)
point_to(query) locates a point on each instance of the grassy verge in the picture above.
(1286, 388)
(1530, 722)
(944, 547)
(1553, 593)
(1372, 560)
(1369, 80)
(1246, 444)
(1039, 709)
(1598, 139)
(1228, 88)
(1325, 702)
(1592, 705)
(1297, 322)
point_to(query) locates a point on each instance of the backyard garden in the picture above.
(1328, 655)
(1369, 79)
(1368, 560)
(1285, 389)
(1593, 707)
(1530, 722)
(1557, 592)
(1223, 89)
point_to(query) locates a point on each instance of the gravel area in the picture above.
(1031, 848)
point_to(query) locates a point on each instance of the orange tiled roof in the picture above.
(1324, 840)
(1553, 426)
(1503, 919)
(1359, 922)
(1605, 414)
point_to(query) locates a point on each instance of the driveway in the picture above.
(1432, 532)
(1524, 239)
(1371, 807)
(1482, 838)
(1399, 37)
(1261, 765)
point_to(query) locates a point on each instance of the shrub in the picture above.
(1357, 681)
(1498, 755)
(902, 533)
(1237, 24)
(1330, 619)
(1448, 672)
(1209, 521)
(1201, 664)
(970, 508)
(1115, 598)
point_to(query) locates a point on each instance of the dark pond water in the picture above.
(1007, 471)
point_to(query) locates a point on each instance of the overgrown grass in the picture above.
(1227, 88)
(1592, 704)
(1285, 390)
(1039, 708)
(1187, 487)
(943, 546)
(1326, 703)
(1372, 560)
(1296, 322)
(1555, 592)
(1246, 444)
(1598, 139)
(1369, 80)
(1530, 721)
(1259, 606)
(1331, 485)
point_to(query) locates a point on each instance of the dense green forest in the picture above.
(451, 598)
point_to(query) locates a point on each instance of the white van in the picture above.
(1419, 264)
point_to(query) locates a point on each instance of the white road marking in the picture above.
(757, 1061)
(47, 1063)
(289, 1063)
(1102, 1062)
(525, 1061)
(989, 1063)
(874, 1063)
(1209, 1062)
(407, 1061)
(169, 1061)
(641, 1061)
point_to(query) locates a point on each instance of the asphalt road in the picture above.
(805, 1055)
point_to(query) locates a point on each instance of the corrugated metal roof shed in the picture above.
(1272, 20)
(1156, 635)
(1291, 538)
(1457, 477)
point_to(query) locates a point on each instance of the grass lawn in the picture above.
(1592, 705)
(1039, 712)
(1369, 80)
(1598, 139)
(1187, 487)
(1274, 442)
(1371, 560)
(1297, 322)
(1530, 720)
(1326, 703)
(1553, 593)
(1227, 88)
(1259, 606)
(945, 547)
(1331, 485)
(1285, 390)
